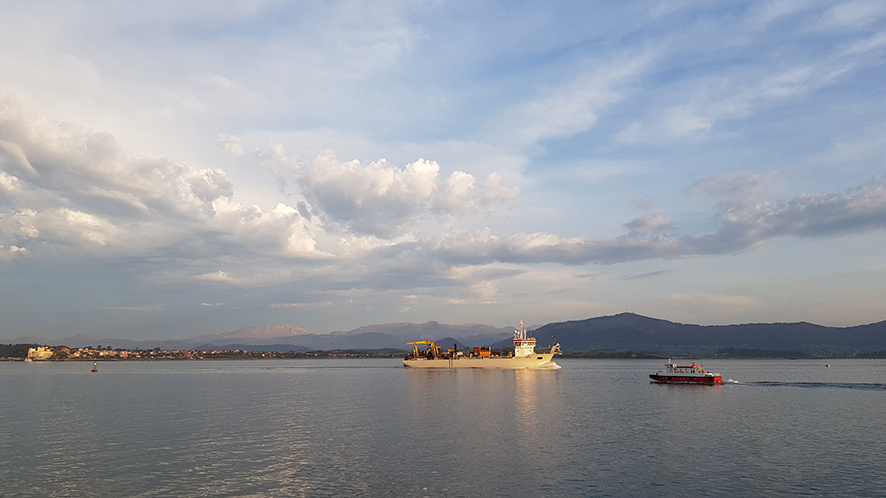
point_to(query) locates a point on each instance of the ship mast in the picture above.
(523, 346)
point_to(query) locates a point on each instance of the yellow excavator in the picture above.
(433, 350)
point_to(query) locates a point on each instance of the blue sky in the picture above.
(169, 169)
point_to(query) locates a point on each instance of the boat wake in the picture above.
(549, 366)
(820, 385)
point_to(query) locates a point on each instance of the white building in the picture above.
(39, 353)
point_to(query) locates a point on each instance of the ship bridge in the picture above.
(523, 346)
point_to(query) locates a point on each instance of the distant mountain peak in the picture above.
(256, 332)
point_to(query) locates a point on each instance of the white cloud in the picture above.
(658, 226)
(383, 200)
(681, 121)
(460, 195)
(219, 276)
(59, 226)
(573, 107)
(76, 196)
(696, 108)
(853, 15)
(231, 144)
(86, 190)
(743, 225)
(696, 101)
(9, 183)
(872, 44)
(373, 199)
(127, 134)
(16, 156)
(731, 189)
(768, 12)
(481, 293)
(860, 209)
(8, 253)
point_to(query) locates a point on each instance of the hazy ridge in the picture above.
(622, 332)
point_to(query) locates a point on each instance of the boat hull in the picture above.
(536, 361)
(686, 379)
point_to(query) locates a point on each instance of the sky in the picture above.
(169, 169)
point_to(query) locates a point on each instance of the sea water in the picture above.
(372, 428)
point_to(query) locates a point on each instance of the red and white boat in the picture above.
(686, 374)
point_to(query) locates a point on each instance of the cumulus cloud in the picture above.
(658, 226)
(376, 198)
(82, 190)
(57, 225)
(7, 253)
(742, 225)
(73, 187)
(746, 221)
(12, 153)
(231, 144)
(809, 215)
(382, 200)
(461, 195)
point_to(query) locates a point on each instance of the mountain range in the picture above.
(621, 332)
(631, 332)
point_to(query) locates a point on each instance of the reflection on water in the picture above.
(526, 401)
(374, 428)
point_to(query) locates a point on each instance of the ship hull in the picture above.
(536, 361)
(685, 379)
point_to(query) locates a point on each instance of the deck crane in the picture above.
(433, 349)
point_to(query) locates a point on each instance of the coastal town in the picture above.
(64, 353)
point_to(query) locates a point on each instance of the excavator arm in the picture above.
(433, 348)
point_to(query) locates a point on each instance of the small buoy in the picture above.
(94, 367)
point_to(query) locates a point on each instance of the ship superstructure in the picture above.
(523, 355)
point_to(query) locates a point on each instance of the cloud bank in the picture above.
(68, 188)
(292, 161)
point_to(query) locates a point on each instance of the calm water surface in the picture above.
(373, 428)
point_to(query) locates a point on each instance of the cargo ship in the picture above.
(523, 356)
(686, 374)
